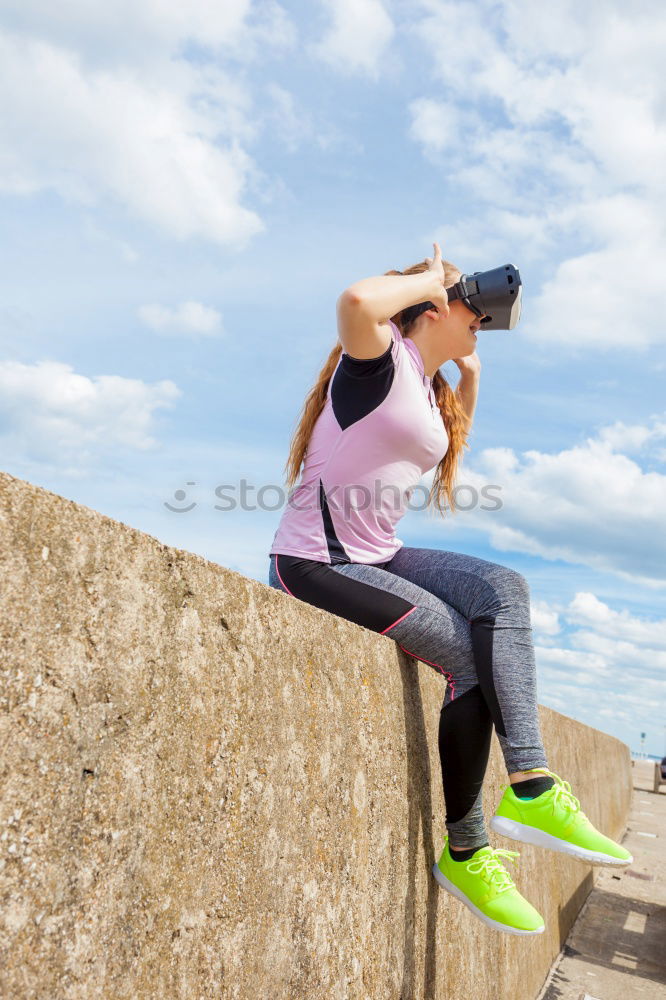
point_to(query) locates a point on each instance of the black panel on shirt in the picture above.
(336, 549)
(360, 385)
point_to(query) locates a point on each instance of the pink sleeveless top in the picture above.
(379, 432)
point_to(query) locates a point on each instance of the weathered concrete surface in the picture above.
(617, 947)
(213, 790)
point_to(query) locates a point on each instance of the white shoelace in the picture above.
(492, 865)
(561, 793)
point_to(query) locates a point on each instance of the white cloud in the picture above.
(122, 247)
(611, 672)
(588, 301)
(604, 98)
(359, 33)
(102, 134)
(141, 31)
(290, 123)
(49, 411)
(434, 124)
(188, 317)
(579, 664)
(631, 437)
(587, 504)
(562, 143)
(622, 703)
(620, 652)
(99, 103)
(586, 609)
(544, 618)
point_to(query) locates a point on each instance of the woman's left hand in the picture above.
(469, 365)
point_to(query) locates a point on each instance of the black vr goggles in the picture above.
(496, 293)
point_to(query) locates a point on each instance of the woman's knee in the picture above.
(516, 585)
(509, 588)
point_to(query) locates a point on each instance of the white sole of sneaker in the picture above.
(530, 835)
(455, 891)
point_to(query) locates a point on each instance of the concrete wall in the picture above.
(213, 790)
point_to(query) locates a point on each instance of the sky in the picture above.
(185, 191)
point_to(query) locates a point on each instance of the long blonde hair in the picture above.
(450, 407)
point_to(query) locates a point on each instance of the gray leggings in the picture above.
(467, 618)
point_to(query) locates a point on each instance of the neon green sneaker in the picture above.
(555, 820)
(485, 887)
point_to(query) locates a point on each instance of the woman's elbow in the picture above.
(350, 297)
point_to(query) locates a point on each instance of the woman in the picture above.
(380, 416)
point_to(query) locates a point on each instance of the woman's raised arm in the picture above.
(387, 294)
(367, 305)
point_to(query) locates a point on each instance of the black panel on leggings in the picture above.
(465, 730)
(360, 385)
(482, 646)
(318, 584)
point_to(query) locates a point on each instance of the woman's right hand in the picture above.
(439, 297)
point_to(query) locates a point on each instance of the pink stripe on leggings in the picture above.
(402, 618)
(447, 673)
(280, 578)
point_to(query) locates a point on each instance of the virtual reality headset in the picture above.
(497, 293)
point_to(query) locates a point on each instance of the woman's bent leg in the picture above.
(495, 602)
(428, 629)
